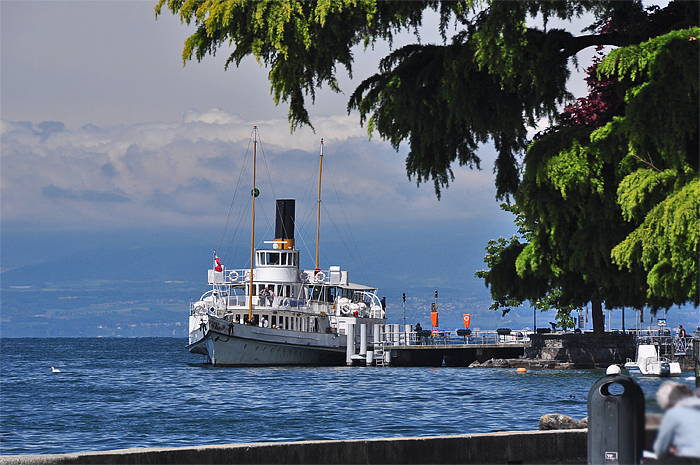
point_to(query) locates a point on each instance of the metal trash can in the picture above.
(615, 421)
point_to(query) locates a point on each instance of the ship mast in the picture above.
(254, 193)
(318, 218)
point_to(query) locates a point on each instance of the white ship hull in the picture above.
(243, 345)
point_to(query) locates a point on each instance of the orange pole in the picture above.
(318, 218)
(252, 232)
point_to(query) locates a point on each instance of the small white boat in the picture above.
(649, 363)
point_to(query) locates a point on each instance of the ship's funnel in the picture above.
(284, 224)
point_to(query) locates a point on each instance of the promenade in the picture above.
(536, 447)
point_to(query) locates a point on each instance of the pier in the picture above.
(394, 345)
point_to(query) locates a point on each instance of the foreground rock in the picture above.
(556, 421)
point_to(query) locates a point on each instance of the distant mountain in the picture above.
(140, 283)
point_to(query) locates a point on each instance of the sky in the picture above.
(102, 126)
(104, 129)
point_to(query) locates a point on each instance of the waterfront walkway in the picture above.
(559, 446)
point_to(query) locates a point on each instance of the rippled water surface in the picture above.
(124, 393)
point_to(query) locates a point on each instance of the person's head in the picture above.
(671, 392)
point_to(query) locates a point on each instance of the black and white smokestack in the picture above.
(284, 219)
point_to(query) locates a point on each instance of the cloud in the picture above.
(53, 192)
(175, 174)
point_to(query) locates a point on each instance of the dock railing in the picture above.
(446, 338)
(666, 344)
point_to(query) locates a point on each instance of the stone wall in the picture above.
(566, 446)
(559, 446)
(584, 350)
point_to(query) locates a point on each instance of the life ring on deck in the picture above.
(435, 333)
(200, 307)
(247, 275)
(304, 277)
(285, 302)
(233, 276)
(320, 277)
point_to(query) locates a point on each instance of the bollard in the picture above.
(350, 331)
(615, 421)
(363, 339)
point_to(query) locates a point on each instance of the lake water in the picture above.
(117, 393)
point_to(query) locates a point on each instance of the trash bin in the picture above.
(615, 421)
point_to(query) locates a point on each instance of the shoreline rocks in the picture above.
(530, 363)
(556, 421)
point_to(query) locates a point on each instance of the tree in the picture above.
(510, 289)
(495, 77)
(603, 222)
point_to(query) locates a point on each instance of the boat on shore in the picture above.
(276, 312)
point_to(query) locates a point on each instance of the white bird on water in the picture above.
(55, 370)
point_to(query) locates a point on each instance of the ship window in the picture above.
(273, 258)
(286, 322)
(284, 259)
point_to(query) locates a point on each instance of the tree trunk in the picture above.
(597, 313)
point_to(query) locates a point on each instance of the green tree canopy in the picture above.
(493, 79)
(611, 207)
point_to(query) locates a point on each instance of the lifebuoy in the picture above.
(435, 333)
(233, 276)
(303, 277)
(320, 277)
(247, 275)
(285, 302)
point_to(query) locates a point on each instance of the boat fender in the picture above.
(320, 277)
(233, 276)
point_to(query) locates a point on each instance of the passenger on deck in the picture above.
(270, 295)
(263, 296)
